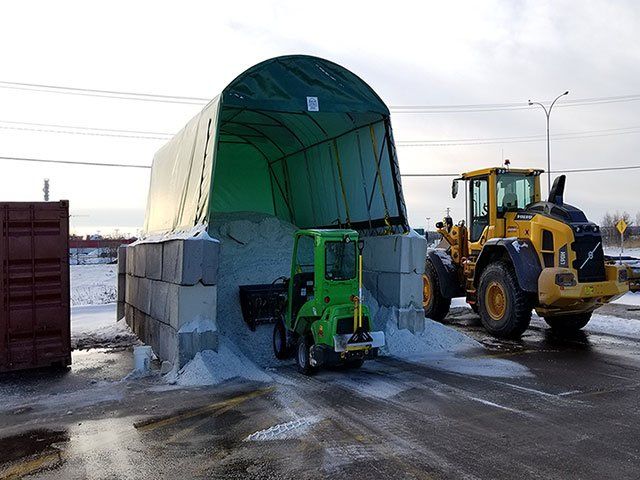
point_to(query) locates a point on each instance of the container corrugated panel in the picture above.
(35, 327)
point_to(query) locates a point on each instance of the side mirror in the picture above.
(454, 188)
(360, 245)
(439, 225)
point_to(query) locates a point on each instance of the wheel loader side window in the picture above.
(304, 255)
(479, 207)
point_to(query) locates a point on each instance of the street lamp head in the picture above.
(566, 93)
(530, 103)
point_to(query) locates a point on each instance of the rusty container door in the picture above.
(35, 327)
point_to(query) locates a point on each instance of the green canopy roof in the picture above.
(298, 137)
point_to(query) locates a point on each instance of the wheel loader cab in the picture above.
(323, 272)
(492, 194)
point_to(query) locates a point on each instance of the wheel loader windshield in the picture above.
(514, 192)
(340, 259)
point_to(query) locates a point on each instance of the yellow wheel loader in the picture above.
(517, 253)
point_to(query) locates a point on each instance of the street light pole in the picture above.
(547, 113)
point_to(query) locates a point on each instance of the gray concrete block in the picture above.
(187, 262)
(122, 289)
(395, 253)
(210, 262)
(131, 287)
(399, 289)
(128, 316)
(411, 318)
(195, 337)
(158, 300)
(122, 259)
(186, 303)
(153, 260)
(143, 295)
(163, 339)
(130, 259)
(139, 261)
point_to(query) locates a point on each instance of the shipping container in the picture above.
(35, 326)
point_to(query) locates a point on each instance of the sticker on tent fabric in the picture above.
(312, 104)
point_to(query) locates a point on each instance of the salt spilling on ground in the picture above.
(211, 368)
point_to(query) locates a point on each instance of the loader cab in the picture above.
(323, 271)
(491, 194)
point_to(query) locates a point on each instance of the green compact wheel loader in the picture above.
(318, 312)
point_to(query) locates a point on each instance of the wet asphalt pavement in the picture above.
(572, 412)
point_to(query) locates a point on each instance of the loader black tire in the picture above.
(436, 306)
(354, 364)
(504, 308)
(568, 323)
(303, 356)
(281, 345)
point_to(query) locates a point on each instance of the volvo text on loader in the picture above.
(517, 253)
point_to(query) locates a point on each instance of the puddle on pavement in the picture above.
(31, 443)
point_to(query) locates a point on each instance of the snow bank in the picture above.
(92, 326)
(93, 284)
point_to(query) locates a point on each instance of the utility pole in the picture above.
(448, 211)
(548, 114)
(46, 189)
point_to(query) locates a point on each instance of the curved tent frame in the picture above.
(297, 137)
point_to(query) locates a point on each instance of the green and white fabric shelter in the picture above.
(297, 137)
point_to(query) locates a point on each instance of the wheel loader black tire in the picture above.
(281, 347)
(474, 307)
(568, 323)
(303, 356)
(436, 306)
(504, 308)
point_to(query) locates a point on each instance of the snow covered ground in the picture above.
(94, 326)
(93, 311)
(93, 284)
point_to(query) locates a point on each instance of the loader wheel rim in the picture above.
(496, 301)
(426, 291)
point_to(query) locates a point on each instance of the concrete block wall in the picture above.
(393, 269)
(168, 292)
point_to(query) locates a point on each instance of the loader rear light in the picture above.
(566, 280)
(327, 299)
(623, 275)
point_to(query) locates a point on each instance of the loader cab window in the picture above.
(514, 192)
(479, 207)
(303, 281)
(304, 255)
(340, 260)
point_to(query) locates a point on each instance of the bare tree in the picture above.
(610, 233)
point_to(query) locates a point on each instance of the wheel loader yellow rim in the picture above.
(495, 299)
(426, 291)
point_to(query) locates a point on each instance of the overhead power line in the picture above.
(127, 165)
(519, 139)
(571, 170)
(73, 162)
(416, 109)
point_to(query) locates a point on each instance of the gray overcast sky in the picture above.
(411, 53)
